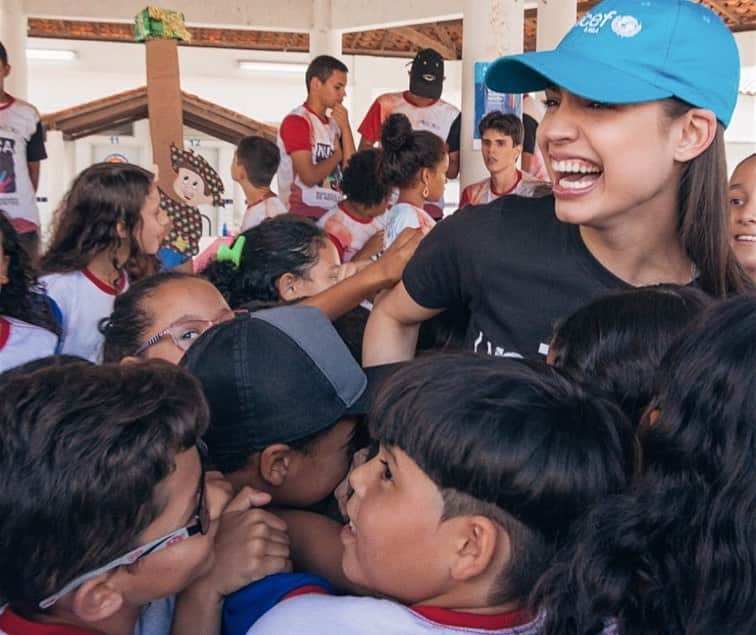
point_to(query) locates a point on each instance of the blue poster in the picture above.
(487, 100)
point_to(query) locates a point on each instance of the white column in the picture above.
(490, 29)
(53, 181)
(555, 18)
(13, 36)
(324, 39)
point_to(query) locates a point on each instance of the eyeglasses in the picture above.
(200, 525)
(184, 332)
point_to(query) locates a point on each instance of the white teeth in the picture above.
(749, 238)
(574, 167)
(575, 185)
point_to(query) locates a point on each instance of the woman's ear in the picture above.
(699, 127)
(287, 287)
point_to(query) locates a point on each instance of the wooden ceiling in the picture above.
(446, 37)
(102, 114)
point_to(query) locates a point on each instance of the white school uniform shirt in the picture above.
(262, 210)
(302, 129)
(21, 342)
(350, 233)
(404, 215)
(483, 192)
(21, 141)
(83, 301)
(315, 614)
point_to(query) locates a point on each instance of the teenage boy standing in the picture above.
(314, 144)
(22, 147)
(423, 106)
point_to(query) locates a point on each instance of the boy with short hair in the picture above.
(256, 161)
(95, 483)
(314, 144)
(362, 214)
(501, 145)
(285, 395)
(22, 147)
(474, 488)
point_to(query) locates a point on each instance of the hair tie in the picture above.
(234, 253)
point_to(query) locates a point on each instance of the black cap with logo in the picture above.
(427, 74)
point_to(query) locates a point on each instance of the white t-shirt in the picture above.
(21, 141)
(483, 192)
(350, 232)
(316, 614)
(404, 215)
(262, 210)
(83, 301)
(21, 342)
(302, 129)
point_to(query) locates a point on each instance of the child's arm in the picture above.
(384, 273)
(341, 116)
(312, 174)
(250, 544)
(34, 173)
(316, 547)
(373, 246)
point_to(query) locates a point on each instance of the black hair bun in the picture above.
(396, 133)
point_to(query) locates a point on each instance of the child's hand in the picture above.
(250, 544)
(395, 258)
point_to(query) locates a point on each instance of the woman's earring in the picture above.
(426, 192)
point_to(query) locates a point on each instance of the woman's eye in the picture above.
(735, 201)
(597, 105)
(549, 102)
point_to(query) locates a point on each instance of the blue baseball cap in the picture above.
(631, 51)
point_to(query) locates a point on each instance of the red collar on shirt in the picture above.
(323, 119)
(408, 98)
(9, 103)
(4, 331)
(14, 624)
(509, 191)
(104, 286)
(260, 200)
(356, 219)
(492, 622)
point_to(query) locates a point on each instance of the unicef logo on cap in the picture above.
(626, 26)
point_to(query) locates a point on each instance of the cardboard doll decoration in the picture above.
(196, 183)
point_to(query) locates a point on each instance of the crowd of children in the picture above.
(253, 449)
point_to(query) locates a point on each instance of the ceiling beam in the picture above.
(423, 41)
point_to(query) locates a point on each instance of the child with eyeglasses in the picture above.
(161, 316)
(105, 506)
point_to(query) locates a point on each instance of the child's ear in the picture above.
(699, 127)
(97, 599)
(479, 544)
(275, 463)
(287, 286)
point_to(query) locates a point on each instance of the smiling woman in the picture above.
(633, 139)
(742, 202)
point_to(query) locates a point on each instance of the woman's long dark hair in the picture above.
(22, 297)
(677, 554)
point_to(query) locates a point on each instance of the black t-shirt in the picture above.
(514, 266)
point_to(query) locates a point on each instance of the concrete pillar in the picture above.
(13, 29)
(490, 29)
(555, 18)
(324, 39)
(53, 182)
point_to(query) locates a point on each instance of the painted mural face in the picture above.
(190, 188)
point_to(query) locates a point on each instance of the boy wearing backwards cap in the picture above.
(423, 106)
(473, 490)
(629, 208)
